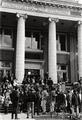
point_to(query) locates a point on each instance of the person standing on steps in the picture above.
(14, 99)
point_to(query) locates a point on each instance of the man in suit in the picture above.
(14, 99)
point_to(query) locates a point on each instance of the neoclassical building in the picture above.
(41, 36)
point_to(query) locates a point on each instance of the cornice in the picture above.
(42, 8)
(32, 7)
(58, 4)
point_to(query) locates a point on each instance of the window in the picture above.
(6, 38)
(1, 73)
(30, 43)
(76, 46)
(5, 64)
(0, 37)
(61, 42)
(62, 73)
(33, 40)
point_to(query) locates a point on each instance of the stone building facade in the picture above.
(41, 36)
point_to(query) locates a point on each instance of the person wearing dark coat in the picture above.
(75, 103)
(37, 104)
(14, 99)
(30, 102)
(68, 98)
(60, 101)
(50, 83)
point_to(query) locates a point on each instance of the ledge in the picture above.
(34, 61)
(62, 52)
(6, 48)
(33, 50)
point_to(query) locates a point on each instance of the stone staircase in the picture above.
(2, 108)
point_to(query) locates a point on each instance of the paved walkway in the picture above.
(22, 116)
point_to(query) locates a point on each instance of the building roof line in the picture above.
(61, 4)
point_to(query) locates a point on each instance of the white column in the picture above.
(80, 48)
(52, 50)
(20, 48)
(0, 1)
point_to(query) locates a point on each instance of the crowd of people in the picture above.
(38, 96)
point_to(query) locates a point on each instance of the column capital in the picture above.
(53, 19)
(79, 22)
(21, 15)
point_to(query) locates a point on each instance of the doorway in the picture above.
(35, 69)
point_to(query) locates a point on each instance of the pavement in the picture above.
(22, 116)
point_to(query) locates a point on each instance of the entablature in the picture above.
(45, 8)
(53, 3)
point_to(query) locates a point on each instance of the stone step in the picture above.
(2, 109)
